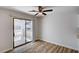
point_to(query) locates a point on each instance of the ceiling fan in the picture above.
(41, 10)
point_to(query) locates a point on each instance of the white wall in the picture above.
(38, 28)
(6, 27)
(59, 27)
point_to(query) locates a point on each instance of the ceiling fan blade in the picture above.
(36, 14)
(44, 13)
(33, 11)
(48, 10)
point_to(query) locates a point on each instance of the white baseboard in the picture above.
(62, 45)
(6, 50)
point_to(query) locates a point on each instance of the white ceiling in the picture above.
(26, 9)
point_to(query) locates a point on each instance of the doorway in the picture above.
(22, 32)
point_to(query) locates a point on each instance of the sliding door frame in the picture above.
(25, 31)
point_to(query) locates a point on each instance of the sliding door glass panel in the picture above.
(19, 32)
(29, 36)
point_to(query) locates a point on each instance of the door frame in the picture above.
(25, 30)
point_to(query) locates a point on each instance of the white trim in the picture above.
(62, 45)
(6, 50)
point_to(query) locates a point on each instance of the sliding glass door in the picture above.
(22, 31)
(29, 31)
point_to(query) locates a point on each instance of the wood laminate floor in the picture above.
(42, 47)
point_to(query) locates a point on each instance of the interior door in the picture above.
(19, 32)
